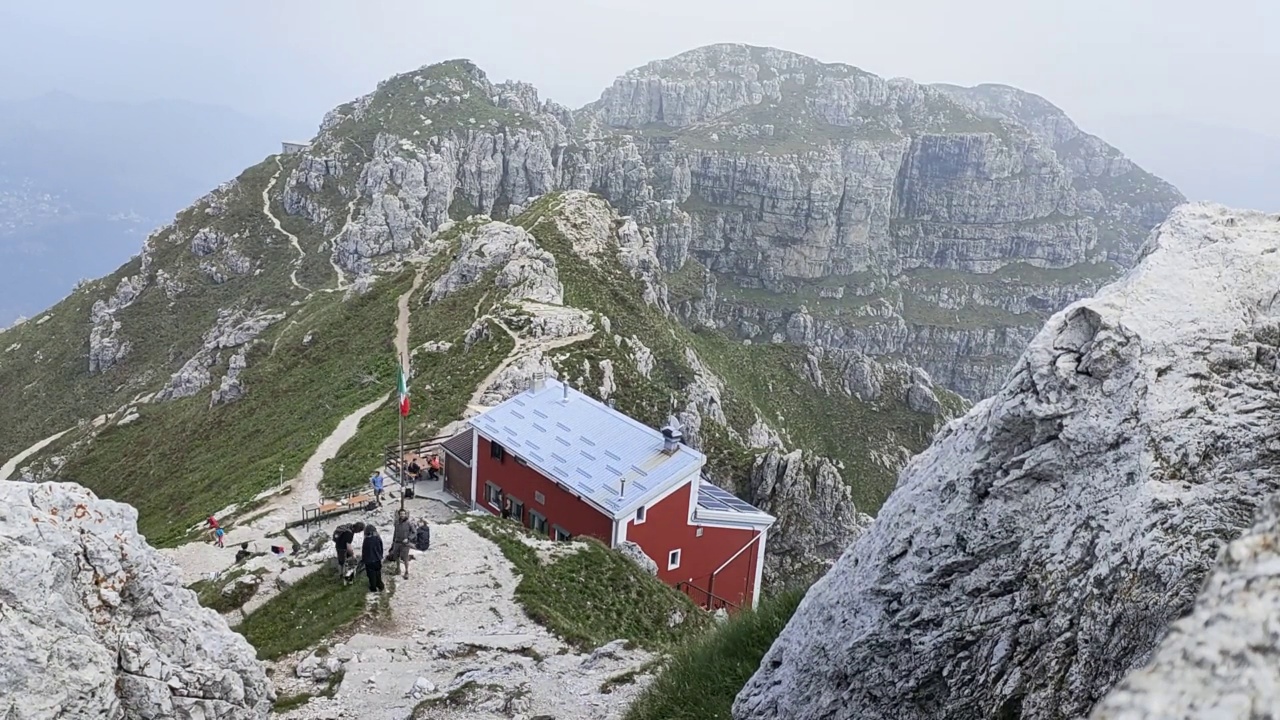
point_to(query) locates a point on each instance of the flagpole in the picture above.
(400, 414)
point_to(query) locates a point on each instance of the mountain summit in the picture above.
(784, 253)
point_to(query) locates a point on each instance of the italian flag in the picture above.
(404, 394)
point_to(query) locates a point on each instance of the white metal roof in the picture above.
(587, 447)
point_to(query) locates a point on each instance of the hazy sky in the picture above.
(1212, 62)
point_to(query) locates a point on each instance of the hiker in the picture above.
(371, 555)
(376, 479)
(343, 537)
(211, 525)
(400, 540)
(243, 553)
(506, 508)
(218, 534)
(433, 467)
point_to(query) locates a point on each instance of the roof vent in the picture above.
(539, 381)
(671, 436)
(565, 385)
(612, 403)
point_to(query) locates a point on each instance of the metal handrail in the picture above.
(711, 601)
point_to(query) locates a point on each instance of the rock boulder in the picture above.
(95, 623)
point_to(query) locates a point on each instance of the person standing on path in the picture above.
(433, 466)
(218, 534)
(376, 479)
(371, 555)
(400, 540)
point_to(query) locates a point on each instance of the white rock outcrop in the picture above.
(1219, 661)
(1043, 545)
(95, 624)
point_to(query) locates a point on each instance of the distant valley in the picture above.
(82, 183)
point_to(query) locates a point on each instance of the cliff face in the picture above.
(942, 225)
(95, 624)
(1040, 549)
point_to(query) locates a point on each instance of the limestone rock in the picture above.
(100, 626)
(527, 271)
(816, 515)
(1218, 661)
(1041, 548)
(635, 554)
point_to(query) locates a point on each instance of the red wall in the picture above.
(561, 508)
(666, 528)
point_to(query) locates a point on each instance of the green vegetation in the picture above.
(420, 103)
(206, 458)
(303, 614)
(703, 676)
(590, 595)
(212, 593)
(442, 382)
(48, 387)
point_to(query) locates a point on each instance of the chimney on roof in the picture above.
(539, 381)
(612, 403)
(565, 385)
(671, 436)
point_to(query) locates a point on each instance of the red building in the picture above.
(569, 465)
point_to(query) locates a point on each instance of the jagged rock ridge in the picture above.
(95, 624)
(1041, 547)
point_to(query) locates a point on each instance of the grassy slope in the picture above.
(303, 614)
(593, 596)
(45, 385)
(703, 676)
(184, 460)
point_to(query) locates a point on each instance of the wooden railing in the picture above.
(705, 599)
(391, 457)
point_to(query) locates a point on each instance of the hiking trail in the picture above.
(402, 318)
(293, 239)
(12, 464)
(524, 347)
(456, 622)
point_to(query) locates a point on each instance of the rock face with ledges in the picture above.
(95, 624)
(1040, 549)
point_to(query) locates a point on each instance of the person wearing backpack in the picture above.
(343, 537)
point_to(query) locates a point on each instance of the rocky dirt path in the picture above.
(12, 464)
(333, 245)
(402, 317)
(525, 347)
(293, 239)
(457, 631)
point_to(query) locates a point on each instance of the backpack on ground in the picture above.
(408, 491)
(422, 538)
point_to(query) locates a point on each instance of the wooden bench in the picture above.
(318, 511)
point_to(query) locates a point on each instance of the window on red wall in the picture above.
(673, 559)
(537, 522)
(496, 451)
(517, 510)
(639, 515)
(492, 494)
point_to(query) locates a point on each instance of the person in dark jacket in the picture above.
(371, 555)
(506, 508)
(343, 537)
(415, 471)
(400, 540)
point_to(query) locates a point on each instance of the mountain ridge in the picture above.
(282, 282)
